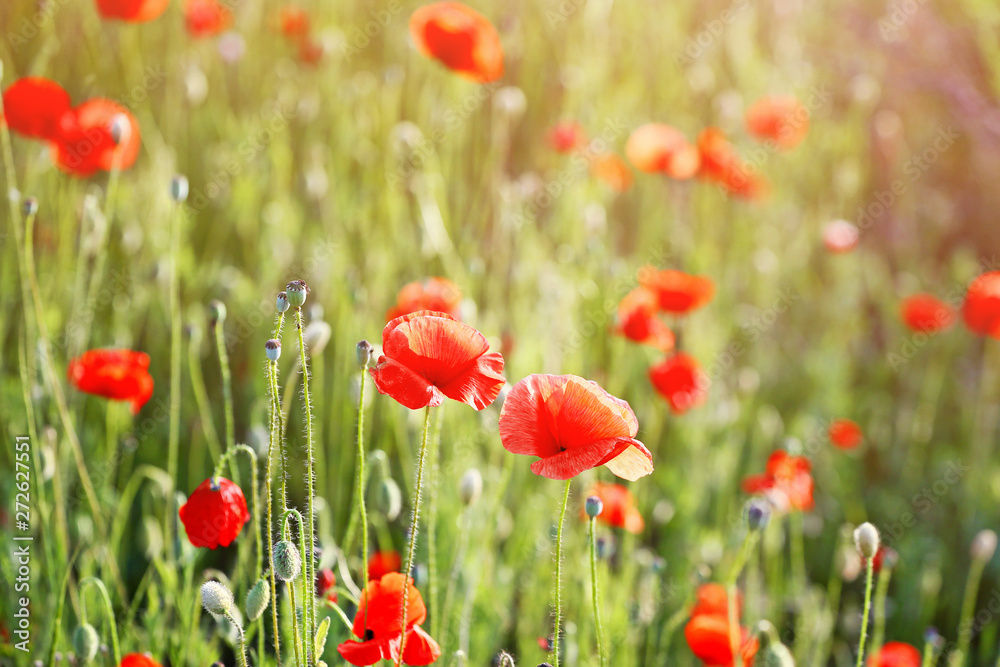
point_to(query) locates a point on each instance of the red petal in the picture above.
(382, 602)
(409, 388)
(420, 648)
(33, 107)
(366, 653)
(480, 385)
(572, 462)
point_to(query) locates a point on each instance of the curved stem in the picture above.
(175, 379)
(595, 592)
(868, 605)
(108, 611)
(414, 525)
(559, 531)
(243, 642)
(308, 558)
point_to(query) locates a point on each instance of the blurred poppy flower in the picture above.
(787, 481)
(34, 106)
(214, 513)
(462, 39)
(206, 18)
(840, 236)
(895, 654)
(293, 22)
(86, 143)
(845, 434)
(722, 164)
(681, 381)
(325, 582)
(926, 313)
(612, 170)
(573, 425)
(678, 292)
(713, 599)
(121, 375)
(138, 660)
(709, 638)
(567, 136)
(132, 11)
(382, 563)
(655, 147)
(981, 310)
(428, 356)
(310, 51)
(377, 624)
(438, 294)
(637, 320)
(619, 510)
(778, 118)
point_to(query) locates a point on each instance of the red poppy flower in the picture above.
(567, 136)
(619, 510)
(709, 639)
(121, 375)
(981, 309)
(678, 292)
(612, 170)
(573, 425)
(840, 236)
(377, 625)
(437, 294)
(637, 320)
(429, 356)
(779, 118)
(461, 38)
(681, 381)
(293, 22)
(206, 18)
(325, 582)
(214, 514)
(722, 164)
(786, 481)
(895, 654)
(138, 660)
(132, 11)
(926, 313)
(382, 563)
(33, 106)
(713, 599)
(86, 144)
(655, 147)
(845, 434)
(310, 51)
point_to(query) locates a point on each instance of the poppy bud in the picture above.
(866, 540)
(179, 188)
(984, 545)
(282, 302)
(273, 349)
(365, 353)
(594, 506)
(217, 311)
(296, 292)
(772, 652)
(258, 598)
(390, 499)
(29, 206)
(216, 598)
(317, 335)
(85, 642)
(287, 561)
(757, 514)
(471, 486)
(934, 638)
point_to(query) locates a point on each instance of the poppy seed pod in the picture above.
(287, 561)
(471, 486)
(29, 206)
(390, 499)
(258, 599)
(594, 506)
(984, 545)
(866, 540)
(120, 128)
(282, 302)
(216, 598)
(296, 292)
(365, 353)
(273, 349)
(757, 514)
(179, 188)
(85, 642)
(216, 311)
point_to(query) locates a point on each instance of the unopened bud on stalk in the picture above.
(296, 292)
(471, 486)
(866, 540)
(984, 545)
(282, 302)
(316, 335)
(217, 311)
(272, 349)
(85, 642)
(29, 206)
(365, 353)
(390, 499)
(119, 128)
(757, 514)
(258, 599)
(287, 561)
(179, 188)
(594, 506)
(216, 598)
(772, 652)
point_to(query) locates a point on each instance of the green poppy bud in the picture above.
(390, 499)
(365, 352)
(282, 302)
(85, 643)
(258, 598)
(273, 349)
(179, 189)
(217, 311)
(866, 540)
(594, 506)
(216, 598)
(296, 292)
(471, 486)
(287, 561)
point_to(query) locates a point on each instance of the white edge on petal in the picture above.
(631, 464)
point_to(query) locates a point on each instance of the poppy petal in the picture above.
(634, 462)
(407, 387)
(33, 106)
(572, 462)
(480, 384)
(366, 653)
(420, 648)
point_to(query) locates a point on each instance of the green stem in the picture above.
(227, 382)
(929, 654)
(272, 437)
(595, 591)
(296, 636)
(175, 380)
(456, 568)
(310, 563)
(957, 657)
(108, 611)
(558, 595)
(201, 395)
(881, 594)
(870, 571)
(243, 642)
(731, 593)
(361, 486)
(432, 577)
(414, 525)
